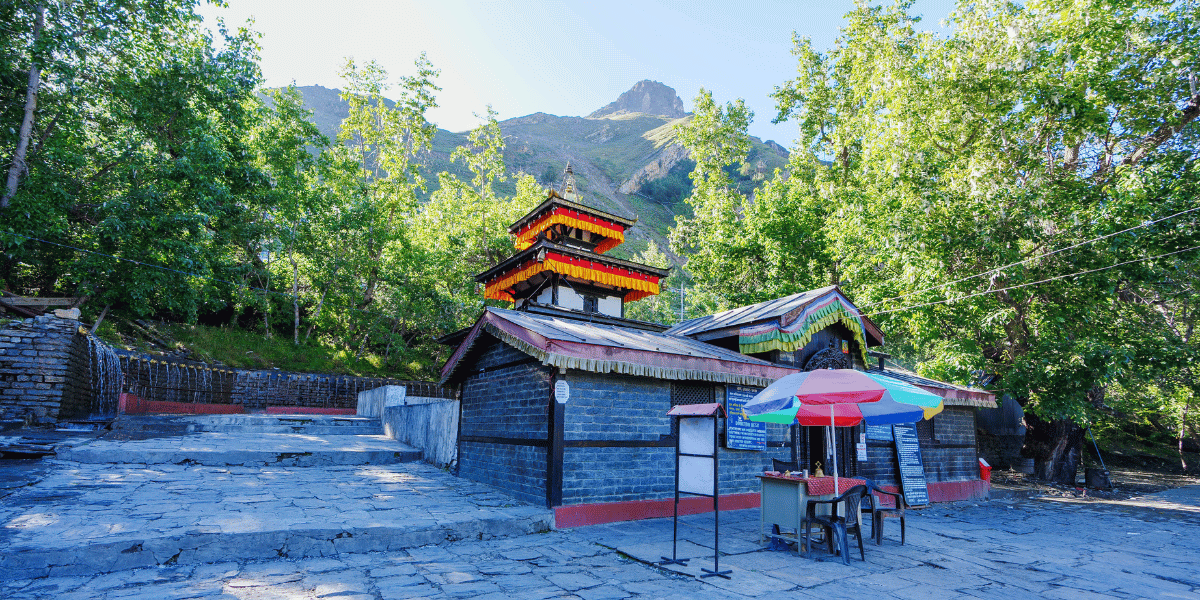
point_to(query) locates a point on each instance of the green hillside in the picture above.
(624, 161)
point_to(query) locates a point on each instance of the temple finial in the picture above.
(568, 189)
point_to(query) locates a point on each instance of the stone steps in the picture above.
(245, 449)
(145, 425)
(83, 519)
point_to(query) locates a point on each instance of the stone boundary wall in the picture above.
(174, 380)
(428, 426)
(44, 374)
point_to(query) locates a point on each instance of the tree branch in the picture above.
(1165, 132)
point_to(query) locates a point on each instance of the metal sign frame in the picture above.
(695, 480)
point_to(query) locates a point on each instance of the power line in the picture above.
(1013, 287)
(1030, 259)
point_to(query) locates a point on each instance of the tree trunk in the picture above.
(1056, 448)
(18, 166)
(295, 290)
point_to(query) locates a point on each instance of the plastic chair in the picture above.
(879, 513)
(783, 465)
(837, 526)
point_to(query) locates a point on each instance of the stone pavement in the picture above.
(1009, 549)
(111, 531)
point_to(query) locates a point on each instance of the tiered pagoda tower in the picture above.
(560, 260)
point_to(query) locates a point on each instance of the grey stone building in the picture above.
(565, 401)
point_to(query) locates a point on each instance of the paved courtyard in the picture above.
(1019, 548)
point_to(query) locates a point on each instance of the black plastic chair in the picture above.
(837, 526)
(879, 513)
(783, 465)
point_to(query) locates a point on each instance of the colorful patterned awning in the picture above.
(640, 285)
(613, 233)
(820, 313)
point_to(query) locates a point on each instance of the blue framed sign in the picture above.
(740, 432)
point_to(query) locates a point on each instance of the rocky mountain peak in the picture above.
(649, 97)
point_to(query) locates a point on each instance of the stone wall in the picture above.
(43, 370)
(952, 456)
(431, 427)
(624, 446)
(504, 422)
(172, 380)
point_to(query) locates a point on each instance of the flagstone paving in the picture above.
(1022, 548)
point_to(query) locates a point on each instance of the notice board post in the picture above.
(696, 473)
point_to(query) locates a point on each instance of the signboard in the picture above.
(912, 469)
(881, 433)
(697, 455)
(740, 432)
(562, 392)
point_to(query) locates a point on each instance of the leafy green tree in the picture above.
(133, 148)
(383, 145)
(287, 147)
(960, 166)
(465, 224)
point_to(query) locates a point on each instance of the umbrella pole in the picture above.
(833, 447)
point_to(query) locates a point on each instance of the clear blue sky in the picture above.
(558, 57)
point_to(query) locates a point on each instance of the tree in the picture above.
(134, 150)
(464, 225)
(1032, 128)
(284, 141)
(384, 144)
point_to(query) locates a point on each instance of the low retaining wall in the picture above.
(162, 379)
(429, 426)
(44, 371)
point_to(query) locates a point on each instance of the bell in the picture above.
(817, 472)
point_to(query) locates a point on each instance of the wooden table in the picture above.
(785, 499)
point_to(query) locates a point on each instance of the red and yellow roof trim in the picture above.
(640, 285)
(614, 234)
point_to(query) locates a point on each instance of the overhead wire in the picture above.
(1032, 258)
(1031, 283)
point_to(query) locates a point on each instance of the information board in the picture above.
(881, 433)
(912, 469)
(740, 432)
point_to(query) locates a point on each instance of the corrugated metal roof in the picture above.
(749, 314)
(612, 336)
(952, 394)
(601, 348)
(778, 308)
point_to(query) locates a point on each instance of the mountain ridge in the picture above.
(626, 160)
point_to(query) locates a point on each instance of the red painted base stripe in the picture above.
(132, 405)
(580, 515)
(610, 512)
(303, 410)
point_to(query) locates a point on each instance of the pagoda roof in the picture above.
(610, 261)
(556, 200)
(531, 266)
(602, 348)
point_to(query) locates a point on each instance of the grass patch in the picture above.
(243, 349)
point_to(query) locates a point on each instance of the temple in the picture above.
(564, 400)
(560, 261)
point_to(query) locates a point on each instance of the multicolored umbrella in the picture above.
(841, 398)
(856, 396)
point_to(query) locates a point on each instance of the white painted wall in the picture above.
(567, 298)
(610, 305)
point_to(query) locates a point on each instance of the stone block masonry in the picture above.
(43, 370)
(504, 423)
(47, 364)
(172, 380)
